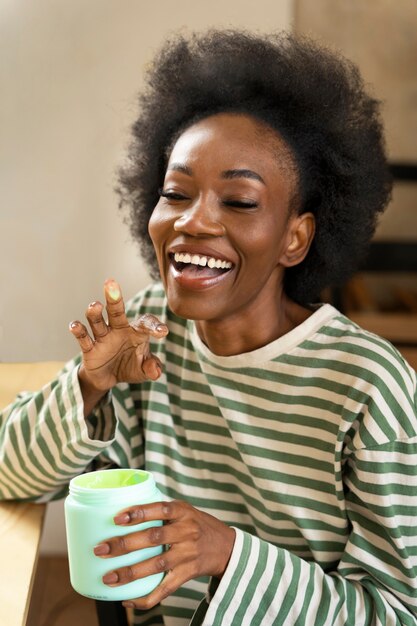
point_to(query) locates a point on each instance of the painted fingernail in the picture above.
(102, 549)
(123, 518)
(110, 578)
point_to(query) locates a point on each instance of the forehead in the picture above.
(234, 136)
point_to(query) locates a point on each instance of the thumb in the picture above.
(152, 367)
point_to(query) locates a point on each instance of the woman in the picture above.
(283, 435)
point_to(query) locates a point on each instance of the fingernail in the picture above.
(128, 605)
(110, 578)
(161, 327)
(102, 549)
(123, 518)
(113, 290)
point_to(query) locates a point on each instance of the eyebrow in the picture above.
(228, 174)
(179, 167)
(243, 173)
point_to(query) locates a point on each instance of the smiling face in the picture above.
(223, 230)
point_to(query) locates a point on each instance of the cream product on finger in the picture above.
(94, 499)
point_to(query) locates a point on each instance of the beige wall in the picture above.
(70, 71)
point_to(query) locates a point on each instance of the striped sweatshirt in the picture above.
(306, 446)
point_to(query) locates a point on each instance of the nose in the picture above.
(201, 219)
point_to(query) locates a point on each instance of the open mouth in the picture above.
(201, 265)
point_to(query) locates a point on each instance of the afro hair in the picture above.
(313, 97)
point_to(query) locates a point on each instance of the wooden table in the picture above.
(20, 534)
(20, 523)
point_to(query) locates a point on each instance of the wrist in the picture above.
(87, 384)
(90, 393)
(230, 537)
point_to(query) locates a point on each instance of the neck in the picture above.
(252, 329)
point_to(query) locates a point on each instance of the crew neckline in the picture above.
(272, 350)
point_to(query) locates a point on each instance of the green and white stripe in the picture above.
(307, 446)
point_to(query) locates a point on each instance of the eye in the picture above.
(241, 204)
(172, 195)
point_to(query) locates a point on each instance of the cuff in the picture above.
(99, 427)
(226, 596)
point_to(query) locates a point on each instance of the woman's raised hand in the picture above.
(116, 351)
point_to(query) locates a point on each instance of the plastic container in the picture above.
(94, 499)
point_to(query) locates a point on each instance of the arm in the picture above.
(376, 579)
(45, 440)
(50, 436)
(259, 583)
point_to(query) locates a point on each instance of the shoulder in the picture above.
(368, 345)
(355, 346)
(379, 382)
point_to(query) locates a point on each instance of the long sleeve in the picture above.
(375, 582)
(45, 440)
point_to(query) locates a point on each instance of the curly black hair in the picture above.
(314, 98)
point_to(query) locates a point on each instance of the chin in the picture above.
(192, 308)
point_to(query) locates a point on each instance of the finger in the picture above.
(115, 546)
(94, 314)
(165, 562)
(165, 511)
(155, 565)
(172, 581)
(80, 333)
(151, 537)
(152, 367)
(115, 305)
(150, 325)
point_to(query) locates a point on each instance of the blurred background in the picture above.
(70, 73)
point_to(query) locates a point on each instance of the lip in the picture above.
(195, 282)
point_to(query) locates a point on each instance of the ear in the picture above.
(301, 229)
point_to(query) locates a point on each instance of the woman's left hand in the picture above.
(199, 544)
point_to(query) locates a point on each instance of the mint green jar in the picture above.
(94, 499)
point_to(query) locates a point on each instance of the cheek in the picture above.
(156, 226)
(263, 242)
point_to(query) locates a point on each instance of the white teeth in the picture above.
(196, 259)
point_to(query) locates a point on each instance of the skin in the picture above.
(201, 211)
(228, 192)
